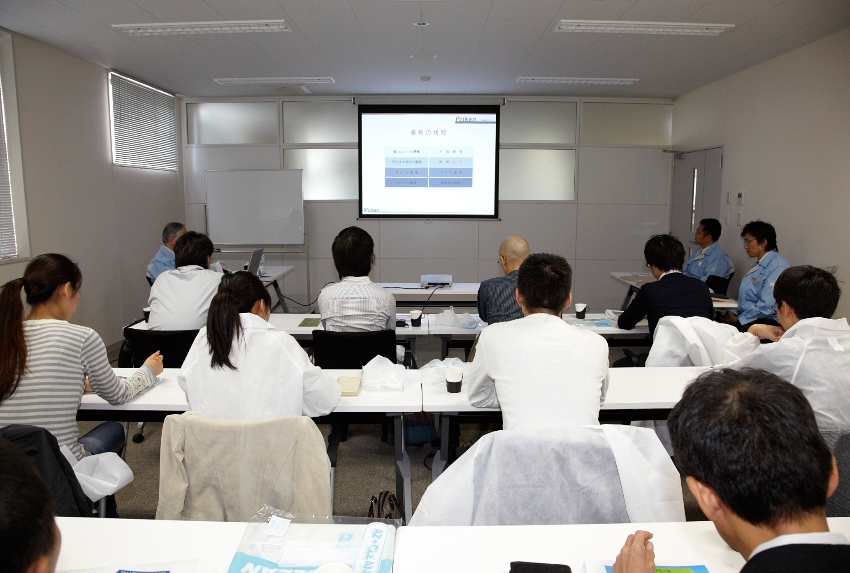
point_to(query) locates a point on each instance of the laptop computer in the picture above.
(254, 265)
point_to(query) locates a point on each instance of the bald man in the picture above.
(497, 296)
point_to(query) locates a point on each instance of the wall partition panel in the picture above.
(232, 123)
(329, 174)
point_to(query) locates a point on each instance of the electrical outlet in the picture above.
(728, 218)
(740, 219)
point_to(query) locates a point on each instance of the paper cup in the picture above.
(147, 312)
(581, 309)
(415, 318)
(454, 379)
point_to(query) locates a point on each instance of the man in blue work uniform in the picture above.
(164, 258)
(756, 304)
(709, 259)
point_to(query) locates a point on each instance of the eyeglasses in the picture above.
(748, 241)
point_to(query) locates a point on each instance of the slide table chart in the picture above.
(166, 397)
(443, 166)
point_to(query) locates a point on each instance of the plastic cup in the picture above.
(454, 379)
(415, 318)
(581, 309)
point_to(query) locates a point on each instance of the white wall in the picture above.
(785, 127)
(107, 218)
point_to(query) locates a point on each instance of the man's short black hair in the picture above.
(193, 248)
(352, 250)
(664, 252)
(711, 227)
(26, 511)
(753, 439)
(808, 290)
(761, 231)
(544, 282)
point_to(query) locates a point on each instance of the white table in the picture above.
(93, 543)
(636, 280)
(491, 549)
(167, 397)
(270, 278)
(412, 295)
(633, 394)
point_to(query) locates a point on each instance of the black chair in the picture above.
(150, 280)
(351, 349)
(718, 284)
(174, 345)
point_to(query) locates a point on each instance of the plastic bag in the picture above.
(435, 371)
(382, 375)
(99, 475)
(276, 540)
(451, 318)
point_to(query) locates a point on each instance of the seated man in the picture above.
(709, 259)
(811, 350)
(748, 445)
(543, 372)
(180, 299)
(355, 304)
(497, 296)
(28, 533)
(164, 258)
(673, 294)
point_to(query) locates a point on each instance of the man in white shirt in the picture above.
(541, 371)
(749, 447)
(355, 304)
(180, 299)
(810, 350)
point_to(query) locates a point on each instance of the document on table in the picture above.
(310, 323)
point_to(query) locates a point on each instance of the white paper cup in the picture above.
(454, 379)
(580, 310)
(415, 318)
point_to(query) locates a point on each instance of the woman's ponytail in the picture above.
(13, 347)
(237, 293)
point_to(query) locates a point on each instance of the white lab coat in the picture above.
(697, 341)
(541, 372)
(180, 299)
(273, 377)
(592, 474)
(814, 355)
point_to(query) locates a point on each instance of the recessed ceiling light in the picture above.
(222, 27)
(423, 56)
(623, 27)
(274, 81)
(421, 24)
(577, 81)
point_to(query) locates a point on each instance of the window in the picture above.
(14, 238)
(144, 125)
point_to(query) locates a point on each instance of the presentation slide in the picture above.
(434, 161)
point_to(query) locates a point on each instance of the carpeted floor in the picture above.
(365, 465)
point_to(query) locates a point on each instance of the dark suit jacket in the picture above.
(673, 295)
(794, 558)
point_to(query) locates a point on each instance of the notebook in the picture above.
(350, 385)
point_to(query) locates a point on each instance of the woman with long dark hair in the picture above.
(241, 368)
(45, 360)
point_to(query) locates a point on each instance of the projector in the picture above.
(435, 280)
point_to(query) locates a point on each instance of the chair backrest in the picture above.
(150, 280)
(838, 440)
(227, 470)
(719, 284)
(42, 449)
(174, 345)
(351, 349)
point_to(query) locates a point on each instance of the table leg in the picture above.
(281, 301)
(445, 338)
(441, 458)
(403, 488)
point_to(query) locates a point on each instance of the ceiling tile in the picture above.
(191, 11)
(524, 10)
(110, 12)
(594, 9)
(248, 9)
(663, 10)
(723, 12)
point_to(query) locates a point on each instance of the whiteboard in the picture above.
(255, 207)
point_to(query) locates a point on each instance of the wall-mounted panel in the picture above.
(549, 122)
(537, 174)
(232, 123)
(610, 123)
(624, 175)
(325, 219)
(198, 160)
(617, 231)
(436, 239)
(319, 122)
(329, 174)
(548, 228)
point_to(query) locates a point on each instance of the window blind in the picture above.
(144, 126)
(8, 239)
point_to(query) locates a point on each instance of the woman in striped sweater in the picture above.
(45, 360)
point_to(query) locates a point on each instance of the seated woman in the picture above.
(180, 298)
(756, 304)
(45, 360)
(241, 368)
